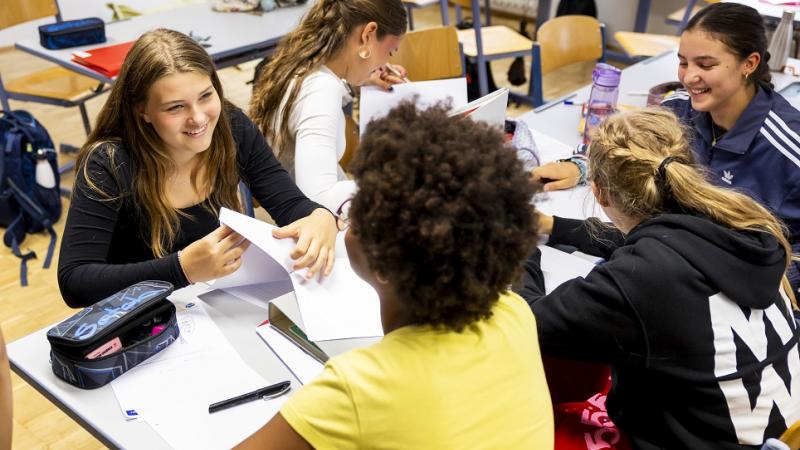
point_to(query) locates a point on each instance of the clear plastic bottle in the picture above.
(603, 99)
(44, 173)
(781, 42)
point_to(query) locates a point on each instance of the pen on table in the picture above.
(266, 393)
(396, 72)
(547, 106)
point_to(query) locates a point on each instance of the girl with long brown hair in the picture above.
(298, 99)
(166, 153)
(689, 309)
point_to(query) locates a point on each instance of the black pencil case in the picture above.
(72, 33)
(105, 340)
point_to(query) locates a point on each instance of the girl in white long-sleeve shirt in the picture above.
(298, 101)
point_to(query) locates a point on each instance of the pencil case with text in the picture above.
(105, 340)
(72, 33)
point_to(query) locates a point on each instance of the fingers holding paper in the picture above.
(316, 240)
(217, 254)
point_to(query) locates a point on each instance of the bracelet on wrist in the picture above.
(580, 163)
(182, 269)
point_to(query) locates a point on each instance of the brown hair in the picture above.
(442, 212)
(625, 154)
(741, 29)
(157, 54)
(321, 35)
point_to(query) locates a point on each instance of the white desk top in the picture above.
(233, 35)
(561, 121)
(767, 10)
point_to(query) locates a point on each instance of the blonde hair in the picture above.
(626, 155)
(157, 54)
(321, 35)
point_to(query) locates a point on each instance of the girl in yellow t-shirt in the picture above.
(438, 227)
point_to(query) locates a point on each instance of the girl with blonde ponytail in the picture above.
(689, 309)
(298, 99)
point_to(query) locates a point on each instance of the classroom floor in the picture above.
(37, 422)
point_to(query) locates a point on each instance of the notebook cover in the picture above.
(105, 60)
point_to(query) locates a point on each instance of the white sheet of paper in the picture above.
(558, 267)
(550, 149)
(198, 369)
(490, 109)
(300, 363)
(338, 306)
(261, 294)
(376, 103)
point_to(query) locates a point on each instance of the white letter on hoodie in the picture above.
(728, 318)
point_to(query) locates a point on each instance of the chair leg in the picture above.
(483, 81)
(87, 125)
(445, 12)
(535, 89)
(410, 16)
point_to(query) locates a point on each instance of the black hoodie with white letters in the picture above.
(689, 314)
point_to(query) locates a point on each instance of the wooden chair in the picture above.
(430, 54)
(411, 5)
(484, 43)
(644, 45)
(562, 41)
(679, 18)
(52, 86)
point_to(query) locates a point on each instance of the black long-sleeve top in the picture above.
(105, 248)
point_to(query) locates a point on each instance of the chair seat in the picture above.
(677, 15)
(55, 82)
(645, 44)
(497, 40)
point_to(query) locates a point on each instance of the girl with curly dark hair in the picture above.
(438, 227)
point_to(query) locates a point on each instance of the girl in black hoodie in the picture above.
(689, 308)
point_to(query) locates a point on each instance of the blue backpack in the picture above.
(25, 205)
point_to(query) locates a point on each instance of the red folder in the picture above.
(105, 60)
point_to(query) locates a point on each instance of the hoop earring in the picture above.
(746, 75)
(363, 55)
(380, 279)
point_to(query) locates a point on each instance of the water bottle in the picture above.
(781, 42)
(603, 99)
(44, 173)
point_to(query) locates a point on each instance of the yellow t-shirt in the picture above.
(424, 388)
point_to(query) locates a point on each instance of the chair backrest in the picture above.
(430, 54)
(791, 436)
(569, 39)
(13, 12)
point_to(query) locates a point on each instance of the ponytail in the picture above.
(643, 161)
(319, 37)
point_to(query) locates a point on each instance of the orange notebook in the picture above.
(105, 60)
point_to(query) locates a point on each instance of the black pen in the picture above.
(275, 390)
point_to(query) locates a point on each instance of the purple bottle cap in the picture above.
(606, 75)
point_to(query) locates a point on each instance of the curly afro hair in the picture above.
(442, 212)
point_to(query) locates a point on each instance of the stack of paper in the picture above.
(200, 368)
(376, 103)
(338, 306)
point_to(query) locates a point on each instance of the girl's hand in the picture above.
(384, 79)
(557, 175)
(217, 254)
(315, 235)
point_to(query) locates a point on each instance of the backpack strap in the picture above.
(35, 211)
(10, 238)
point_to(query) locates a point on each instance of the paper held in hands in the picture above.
(376, 103)
(339, 306)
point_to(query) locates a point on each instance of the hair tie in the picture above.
(669, 202)
(661, 173)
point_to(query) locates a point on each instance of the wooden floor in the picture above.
(37, 423)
